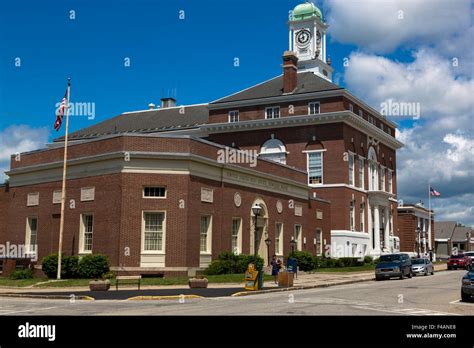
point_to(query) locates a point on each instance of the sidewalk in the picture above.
(304, 281)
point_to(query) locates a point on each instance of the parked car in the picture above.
(422, 266)
(460, 260)
(467, 288)
(470, 254)
(393, 265)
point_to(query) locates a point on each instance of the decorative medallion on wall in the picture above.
(279, 206)
(237, 199)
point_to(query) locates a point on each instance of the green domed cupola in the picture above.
(306, 11)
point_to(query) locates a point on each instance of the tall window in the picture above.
(362, 217)
(313, 108)
(206, 234)
(31, 238)
(361, 173)
(315, 168)
(272, 112)
(298, 239)
(279, 238)
(361, 113)
(352, 216)
(87, 224)
(233, 116)
(319, 242)
(351, 169)
(153, 232)
(382, 179)
(351, 108)
(273, 150)
(372, 158)
(390, 177)
(237, 235)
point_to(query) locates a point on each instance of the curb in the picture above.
(170, 297)
(301, 287)
(50, 297)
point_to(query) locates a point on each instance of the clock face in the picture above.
(303, 37)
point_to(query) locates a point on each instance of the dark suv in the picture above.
(393, 265)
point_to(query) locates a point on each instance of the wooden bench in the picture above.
(127, 280)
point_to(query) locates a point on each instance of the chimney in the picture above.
(290, 72)
(151, 106)
(168, 102)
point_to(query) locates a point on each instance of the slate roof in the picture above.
(146, 122)
(459, 234)
(444, 229)
(307, 83)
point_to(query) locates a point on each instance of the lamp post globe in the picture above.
(256, 209)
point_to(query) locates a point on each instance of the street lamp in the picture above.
(293, 244)
(268, 241)
(418, 241)
(256, 209)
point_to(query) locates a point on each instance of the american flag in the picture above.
(433, 192)
(60, 113)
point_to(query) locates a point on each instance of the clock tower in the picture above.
(308, 39)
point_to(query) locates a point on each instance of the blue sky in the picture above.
(402, 50)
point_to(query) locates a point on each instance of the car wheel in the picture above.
(401, 276)
(465, 297)
(426, 272)
(378, 278)
(409, 274)
(449, 268)
(432, 271)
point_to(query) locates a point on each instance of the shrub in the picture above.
(22, 274)
(228, 263)
(351, 262)
(368, 260)
(69, 266)
(93, 266)
(338, 263)
(304, 259)
(318, 262)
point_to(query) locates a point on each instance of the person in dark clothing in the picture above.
(275, 268)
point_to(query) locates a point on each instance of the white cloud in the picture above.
(17, 139)
(382, 26)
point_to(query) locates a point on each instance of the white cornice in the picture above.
(293, 121)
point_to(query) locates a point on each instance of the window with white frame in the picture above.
(319, 241)
(298, 238)
(237, 236)
(315, 167)
(205, 234)
(273, 150)
(361, 113)
(351, 108)
(313, 108)
(390, 178)
(389, 131)
(351, 169)
(382, 179)
(87, 230)
(31, 238)
(279, 238)
(272, 112)
(372, 158)
(361, 173)
(362, 217)
(154, 192)
(381, 125)
(352, 216)
(153, 231)
(233, 116)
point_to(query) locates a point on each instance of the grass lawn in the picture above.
(346, 269)
(224, 278)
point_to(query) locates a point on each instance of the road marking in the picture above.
(29, 310)
(459, 302)
(407, 311)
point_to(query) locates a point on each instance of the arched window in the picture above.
(273, 150)
(372, 159)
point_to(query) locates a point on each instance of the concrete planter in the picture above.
(198, 283)
(99, 285)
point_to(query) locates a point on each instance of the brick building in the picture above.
(167, 189)
(416, 233)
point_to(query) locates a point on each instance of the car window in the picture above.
(418, 261)
(390, 258)
(458, 256)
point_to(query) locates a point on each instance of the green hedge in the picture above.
(306, 261)
(69, 266)
(229, 263)
(22, 274)
(89, 266)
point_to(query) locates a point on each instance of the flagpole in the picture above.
(429, 215)
(63, 190)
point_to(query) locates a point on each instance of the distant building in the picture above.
(414, 230)
(449, 235)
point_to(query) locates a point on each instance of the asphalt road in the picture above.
(432, 295)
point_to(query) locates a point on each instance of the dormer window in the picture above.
(272, 112)
(233, 116)
(313, 108)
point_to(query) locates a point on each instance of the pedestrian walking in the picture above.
(275, 267)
